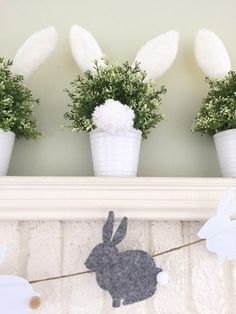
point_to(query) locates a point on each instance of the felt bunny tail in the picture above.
(211, 54)
(162, 278)
(158, 54)
(34, 51)
(85, 48)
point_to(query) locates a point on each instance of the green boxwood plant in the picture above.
(16, 104)
(124, 83)
(218, 111)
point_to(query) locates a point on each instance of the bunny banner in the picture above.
(16, 294)
(129, 276)
(220, 230)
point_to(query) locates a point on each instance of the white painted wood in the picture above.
(209, 293)
(10, 234)
(44, 260)
(80, 294)
(64, 198)
(232, 285)
(171, 298)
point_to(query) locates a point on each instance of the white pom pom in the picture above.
(211, 54)
(113, 117)
(162, 278)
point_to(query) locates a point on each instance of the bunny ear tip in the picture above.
(202, 32)
(50, 29)
(172, 35)
(77, 28)
(74, 27)
(51, 32)
(111, 214)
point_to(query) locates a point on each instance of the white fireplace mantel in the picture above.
(64, 198)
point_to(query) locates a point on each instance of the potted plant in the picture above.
(217, 115)
(16, 100)
(117, 104)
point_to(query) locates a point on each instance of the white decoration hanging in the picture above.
(16, 294)
(211, 54)
(113, 117)
(220, 230)
(34, 51)
(158, 54)
(85, 48)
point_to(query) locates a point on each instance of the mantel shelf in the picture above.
(63, 198)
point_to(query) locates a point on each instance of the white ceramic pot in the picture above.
(7, 140)
(115, 154)
(225, 143)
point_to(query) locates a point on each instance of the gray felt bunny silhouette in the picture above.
(129, 276)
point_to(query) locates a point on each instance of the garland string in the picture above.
(90, 272)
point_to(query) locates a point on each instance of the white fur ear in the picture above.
(85, 48)
(211, 54)
(34, 51)
(158, 54)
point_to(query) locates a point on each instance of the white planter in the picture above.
(115, 154)
(225, 143)
(7, 140)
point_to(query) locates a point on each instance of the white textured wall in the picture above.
(43, 249)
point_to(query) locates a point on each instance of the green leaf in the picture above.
(218, 110)
(16, 104)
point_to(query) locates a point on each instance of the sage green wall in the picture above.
(121, 27)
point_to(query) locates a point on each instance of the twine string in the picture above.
(90, 272)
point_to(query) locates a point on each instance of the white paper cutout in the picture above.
(211, 54)
(15, 295)
(158, 54)
(15, 292)
(34, 51)
(220, 230)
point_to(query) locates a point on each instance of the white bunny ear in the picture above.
(158, 54)
(85, 48)
(34, 51)
(227, 205)
(211, 54)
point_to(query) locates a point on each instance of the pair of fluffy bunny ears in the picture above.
(155, 57)
(158, 54)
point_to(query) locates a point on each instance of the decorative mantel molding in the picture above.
(63, 198)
